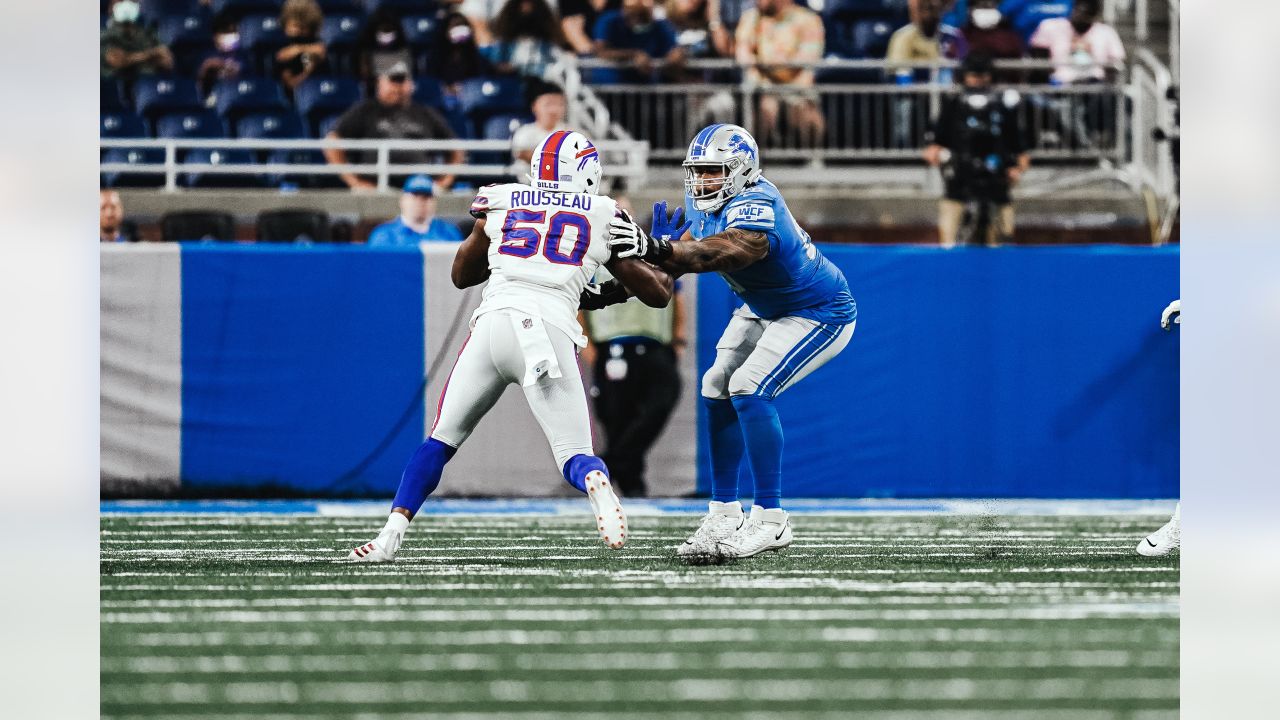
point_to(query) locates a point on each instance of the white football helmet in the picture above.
(729, 148)
(566, 161)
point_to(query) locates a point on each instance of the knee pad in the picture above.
(715, 383)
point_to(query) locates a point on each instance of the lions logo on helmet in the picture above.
(727, 148)
(566, 161)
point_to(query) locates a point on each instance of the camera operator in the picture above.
(978, 141)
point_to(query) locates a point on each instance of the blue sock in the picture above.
(576, 468)
(422, 474)
(726, 449)
(762, 432)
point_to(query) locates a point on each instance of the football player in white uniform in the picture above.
(1169, 536)
(538, 245)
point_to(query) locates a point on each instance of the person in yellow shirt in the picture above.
(770, 39)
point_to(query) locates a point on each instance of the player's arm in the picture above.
(653, 286)
(471, 264)
(726, 251)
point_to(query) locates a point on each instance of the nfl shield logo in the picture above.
(527, 323)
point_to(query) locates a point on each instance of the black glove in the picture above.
(596, 296)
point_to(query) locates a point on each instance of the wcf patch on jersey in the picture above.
(751, 213)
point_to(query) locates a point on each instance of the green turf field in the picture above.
(869, 617)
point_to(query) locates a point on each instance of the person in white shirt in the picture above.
(1082, 48)
(549, 108)
(538, 246)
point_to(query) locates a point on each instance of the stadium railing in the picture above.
(625, 159)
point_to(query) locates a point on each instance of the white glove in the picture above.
(1172, 314)
(626, 238)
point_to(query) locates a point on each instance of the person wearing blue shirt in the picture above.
(633, 37)
(798, 314)
(417, 221)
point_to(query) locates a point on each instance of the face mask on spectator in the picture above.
(385, 38)
(986, 18)
(459, 34)
(125, 12)
(227, 42)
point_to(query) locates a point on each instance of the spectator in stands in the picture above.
(1082, 48)
(226, 62)
(417, 221)
(391, 114)
(527, 39)
(692, 23)
(382, 41)
(578, 20)
(454, 56)
(721, 38)
(919, 40)
(549, 108)
(980, 144)
(633, 37)
(481, 13)
(303, 53)
(110, 217)
(987, 31)
(130, 49)
(769, 36)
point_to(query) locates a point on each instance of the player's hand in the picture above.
(596, 296)
(1172, 314)
(669, 228)
(626, 238)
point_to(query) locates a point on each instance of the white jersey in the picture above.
(544, 247)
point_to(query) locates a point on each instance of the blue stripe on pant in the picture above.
(811, 347)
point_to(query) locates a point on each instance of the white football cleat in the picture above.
(1164, 540)
(721, 520)
(764, 530)
(381, 549)
(610, 519)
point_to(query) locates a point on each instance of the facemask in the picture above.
(459, 34)
(125, 12)
(986, 18)
(385, 38)
(227, 42)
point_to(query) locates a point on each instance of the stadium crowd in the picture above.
(440, 69)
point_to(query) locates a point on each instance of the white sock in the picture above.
(397, 523)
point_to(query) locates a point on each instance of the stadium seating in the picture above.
(123, 124)
(340, 35)
(320, 97)
(427, 91)
(890, 10)
(153, 96)
(197, 225)
(220, 156)
(301, 179)
(731, 12)
(293, 225)
(261, 36)
(153, 10)
(242, 8)
(278, 124)
(110, 99)
(133, 156)
(190, 125)
(333, 7)
(871, 38)
(400, 7)
(482, 98)
(235, 98)
(189, 37)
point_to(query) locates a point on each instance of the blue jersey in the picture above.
(396, 233)
(794, 278)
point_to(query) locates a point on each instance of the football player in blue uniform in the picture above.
(798, 314)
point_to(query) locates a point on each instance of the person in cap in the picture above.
(417, 220)
(391, 114)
